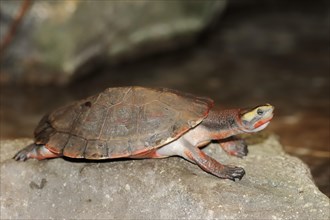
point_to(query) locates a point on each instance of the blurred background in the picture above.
(239, 52)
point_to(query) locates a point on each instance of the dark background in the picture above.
(272, 51)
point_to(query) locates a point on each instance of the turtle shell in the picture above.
(121, 122)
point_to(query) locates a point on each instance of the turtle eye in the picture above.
(260, 112)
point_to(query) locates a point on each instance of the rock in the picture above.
(276, 186)
(70, 37)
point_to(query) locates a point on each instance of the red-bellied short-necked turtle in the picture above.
(137, 122)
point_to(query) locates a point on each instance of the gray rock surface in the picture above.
(276, 186)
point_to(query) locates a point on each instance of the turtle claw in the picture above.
(233, 173)
(25, 153)
(21, 155)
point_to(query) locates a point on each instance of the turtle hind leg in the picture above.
(39, 152)
(212, 166)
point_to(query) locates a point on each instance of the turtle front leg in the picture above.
(39, 152)
(234, 146)
(212, 166)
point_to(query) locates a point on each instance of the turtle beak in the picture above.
(269, 112)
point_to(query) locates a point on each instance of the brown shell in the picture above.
(121, 122)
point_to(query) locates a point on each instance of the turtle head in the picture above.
(257, 118)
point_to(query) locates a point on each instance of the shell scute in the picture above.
(96, 149)
(57, 142)
(90, 122)
(111, 96)
(121, 121)
(75, 147)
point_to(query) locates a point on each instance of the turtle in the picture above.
(139, 122)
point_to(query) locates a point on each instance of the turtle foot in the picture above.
(232, 173)
(23, 154)
(20, 156)
(236, 148)
(39, 152)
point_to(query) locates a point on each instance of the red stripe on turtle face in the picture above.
(261, 122)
